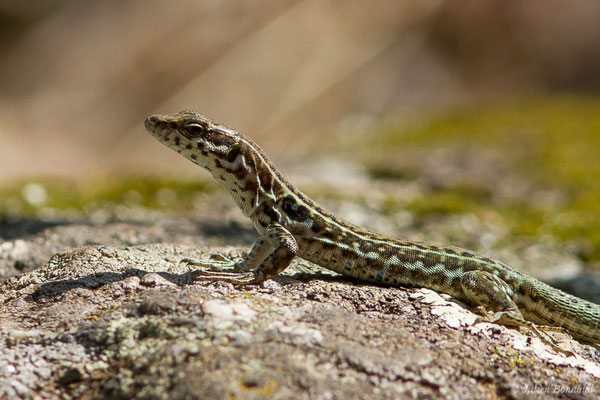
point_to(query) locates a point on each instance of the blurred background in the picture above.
(78, 78)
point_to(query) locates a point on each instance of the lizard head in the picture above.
(195, 137)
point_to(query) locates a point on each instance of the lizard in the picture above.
(290, 225)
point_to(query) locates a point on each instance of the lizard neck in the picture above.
(252, 181)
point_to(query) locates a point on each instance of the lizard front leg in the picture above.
(259, 252)
(284, 250)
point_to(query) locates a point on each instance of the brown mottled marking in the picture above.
(250, 186)
(233, 153)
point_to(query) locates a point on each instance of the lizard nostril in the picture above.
(151, 120)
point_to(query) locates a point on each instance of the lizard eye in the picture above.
(193, 130)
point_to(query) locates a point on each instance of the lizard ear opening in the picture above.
(233, 153)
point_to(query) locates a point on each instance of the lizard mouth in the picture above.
(155, 125)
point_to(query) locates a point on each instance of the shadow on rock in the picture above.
(53, 289)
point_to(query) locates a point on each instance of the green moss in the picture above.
(388, 172)
(440, 202)
(523, 219)
(444, 203)
(554, 140)
(31, 198)
(553, 143)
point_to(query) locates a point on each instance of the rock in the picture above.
(126, 322)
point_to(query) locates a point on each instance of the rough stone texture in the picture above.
(28, 244)
(126, 322)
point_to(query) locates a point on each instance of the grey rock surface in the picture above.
(110, 321)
